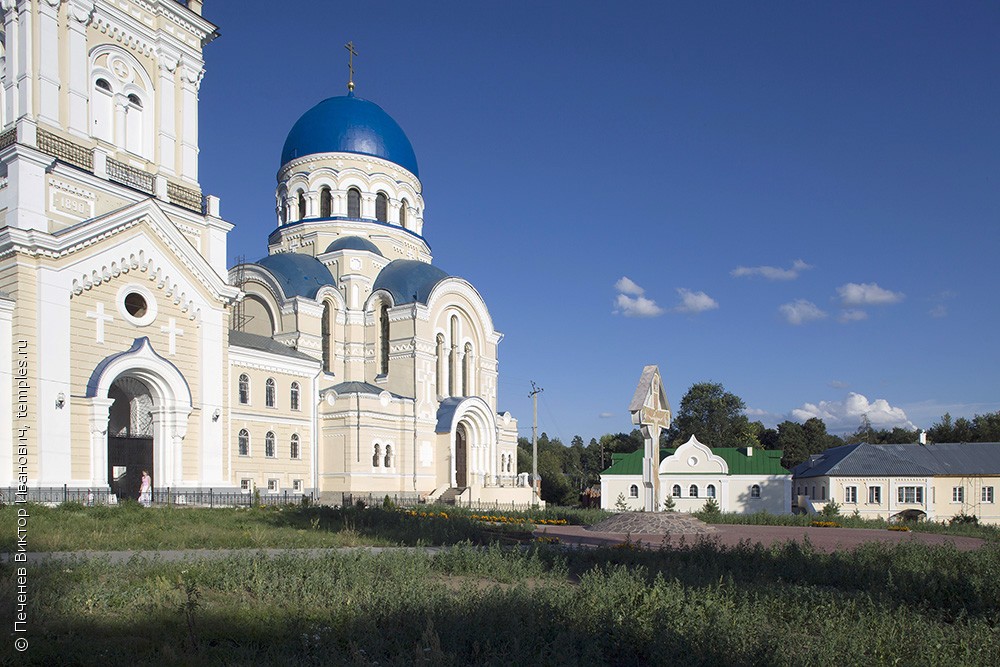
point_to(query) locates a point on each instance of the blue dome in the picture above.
(349, 125)
(297, 274)
(354, 243)
(404, 278)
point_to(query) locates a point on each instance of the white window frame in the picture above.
(270, 393)
(903, 495)
(986, 494)
(633, 491)
(270, 445)
(755, 492)
(875, 495)
(297, 485)
(239, 391)
(238, 452)
(958, 494)
(273, 485)
(851, 495)
(246, 485)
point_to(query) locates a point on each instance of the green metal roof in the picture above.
(763, 461)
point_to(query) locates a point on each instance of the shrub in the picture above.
(831, 509)
(620, 503)
(964, 519)
(711, 507)
(669, 504)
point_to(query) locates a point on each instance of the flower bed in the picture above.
(825, 524)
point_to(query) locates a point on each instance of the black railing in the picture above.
(65, 150)
(55, 495)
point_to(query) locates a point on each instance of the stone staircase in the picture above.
(448, 497)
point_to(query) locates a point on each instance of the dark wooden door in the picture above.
(131, 456)
(461, 459)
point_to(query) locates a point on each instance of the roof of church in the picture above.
(4, 295)
(359, 388)
(349, 124)
(973, 458)
(297, 274)
(762, 462)
(264, 344)
(354, 243)
(406, 278)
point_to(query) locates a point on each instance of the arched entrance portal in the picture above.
(461, 457)
(130, 436)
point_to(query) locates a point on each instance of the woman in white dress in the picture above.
(146, 490)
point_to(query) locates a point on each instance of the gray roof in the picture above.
(265, 344)
(405, 279)
(446, 413)
(354, 243)
(975, 458)
(4, 295)
(359, 388)
(298, 274)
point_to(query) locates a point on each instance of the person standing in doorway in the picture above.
(146, 490)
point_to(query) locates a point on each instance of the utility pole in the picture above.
(535, 486)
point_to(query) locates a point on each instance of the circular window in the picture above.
(137, 305)
(693, 461)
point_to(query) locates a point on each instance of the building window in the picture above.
(822, 492)
(676, 491)
(383, 324)
(269, 393)
(326, 327)
(325, 202)
(987, 494)
(377, 455)
(633, 491)
(755, 491)
(402, 213)
(244, 389)
(297, 485)
(353, 203)
(441, 365)
(293, 396)
(467, 371)
(272, 486)
(875, 495)
(302, 205)
(693, 491)
(710, 491)
(269, 445)
(294, 448)
(388, 456)
(958, 494)
(246, 485)
(243, 440)
(453, 374)
(851, 494)
(381, 207)
(913, 495)
(510, 460)
(104, 85)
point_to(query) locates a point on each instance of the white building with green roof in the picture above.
(743, 480)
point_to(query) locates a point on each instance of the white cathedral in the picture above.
(344, 361)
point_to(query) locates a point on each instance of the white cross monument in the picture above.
(651, 412)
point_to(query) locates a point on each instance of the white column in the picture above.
(22, 77)
(48, 61)
(166, 93)
(53, 359)
(191, 74)
(6, 393)
(11, 62)
(99, 409)
(79, 14)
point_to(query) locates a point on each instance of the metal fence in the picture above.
(55, 495)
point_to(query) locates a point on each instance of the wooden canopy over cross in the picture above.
(649, 406)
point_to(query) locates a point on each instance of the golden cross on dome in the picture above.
(350, 64)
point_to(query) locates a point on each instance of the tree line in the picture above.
(716, 417)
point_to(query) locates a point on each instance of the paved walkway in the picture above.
(823, 539)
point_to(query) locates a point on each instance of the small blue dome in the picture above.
(404, 278)
(354, 243)
(349, 124)
(297, 274)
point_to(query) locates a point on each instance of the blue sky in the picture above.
(799, 200)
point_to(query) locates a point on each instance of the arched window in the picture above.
(441, 364)
(134, 100)
(134, 125)
(510, 462)
(381, 207)
(693, 491)
(244, 389)
(710, 491)
(269, 393)
(353, 203)
(294, 448)
(453, 375)
(633, 491)
(293, 396)
(326, 327)
(383, 324)
(325, 202)
(402, 213)
(822, 491)
(377, 456)
(269, 445)
(676, 492)
(755, 491)
(467, 371)
(103, 85)
(102, 105)
(302, 206)
(388, 456)
(243, 439)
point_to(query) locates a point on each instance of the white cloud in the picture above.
(852, 315)
(838, 384)
(606, 415)
(771, 272)
(800, 311)
(846, 415)
(630, 301)
(938, 311)
(625, 285)
(867, 294)
(695, 302)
